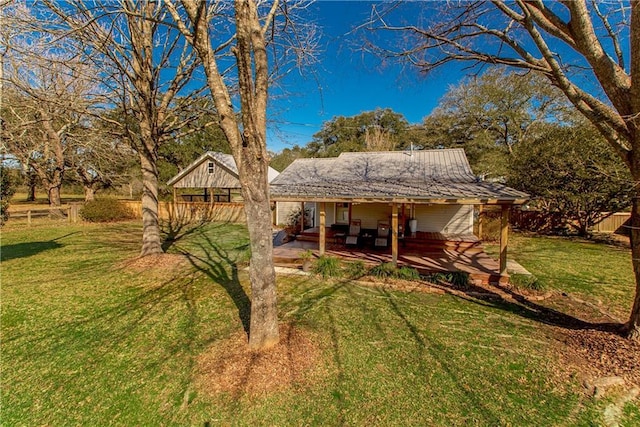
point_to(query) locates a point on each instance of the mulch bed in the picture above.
(231, 367)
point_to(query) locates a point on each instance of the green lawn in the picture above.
(90, 339)
(593, 271)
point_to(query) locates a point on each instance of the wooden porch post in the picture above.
(322, 229)
(174, 206)
(480, 220)
(394, 234)
(301, 217)
(504, 238)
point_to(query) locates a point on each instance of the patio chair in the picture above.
(382, 239)
(354, 232)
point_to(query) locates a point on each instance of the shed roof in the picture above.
(431, 176)
(225, 160)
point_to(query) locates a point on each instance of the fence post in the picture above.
(29, 217)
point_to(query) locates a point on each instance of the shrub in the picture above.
(105, 210)
(407, 273)
(6, 191)
(327, 266)
(388, 270)
(457, 278)
(526, 281)
(356, 269)
(383, 271)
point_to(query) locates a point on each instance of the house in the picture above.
(213, 178)
(213, 173)
(417, 191)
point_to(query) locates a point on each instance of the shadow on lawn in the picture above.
(217, 263)
(27, 249)
(520, 305)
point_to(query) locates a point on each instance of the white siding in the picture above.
(284, 210)
(330, 210)
(371, 213)
(452, 219)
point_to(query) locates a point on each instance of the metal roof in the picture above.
(435, 176)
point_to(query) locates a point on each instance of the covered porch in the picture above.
(441, 256)
(426, 251)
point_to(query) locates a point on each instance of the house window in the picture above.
(342, 213)
(210, 168)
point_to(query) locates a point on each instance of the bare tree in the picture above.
(46, 95)
(147, 67)
(579, 46)
(252, 34)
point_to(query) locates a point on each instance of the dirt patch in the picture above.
(231, 367)
(597, 353)
(163, 262)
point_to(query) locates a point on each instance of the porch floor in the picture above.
(443, 254)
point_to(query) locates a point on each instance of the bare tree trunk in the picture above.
(151, 243)
(89, 193)
(263, 328)
(31, 187)
(54, 196)
(632, 327)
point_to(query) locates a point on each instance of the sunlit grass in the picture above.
(87, 339)
(593, 271)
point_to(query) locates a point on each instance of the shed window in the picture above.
(210, 167)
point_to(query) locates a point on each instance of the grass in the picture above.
(89, 340)
(593, 271)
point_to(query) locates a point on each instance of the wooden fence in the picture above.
(194, 211)
(613, 224)
(537, 221)
(69, 211)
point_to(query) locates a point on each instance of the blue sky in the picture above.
(346, 82)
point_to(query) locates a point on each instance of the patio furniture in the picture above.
(354, 232)
(382, 241)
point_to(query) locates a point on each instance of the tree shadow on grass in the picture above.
(507, 299)
(221, 266)
(27, 249)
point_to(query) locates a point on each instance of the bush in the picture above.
(327, 266)
(356, 269)
(407, 273)
(458, 278)
(526, 281)
(388, 270)
(6, 191)
(383, 271)
(105, 210)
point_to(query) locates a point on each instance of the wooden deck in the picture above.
(426, 252)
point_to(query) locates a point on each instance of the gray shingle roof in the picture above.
(425, 175)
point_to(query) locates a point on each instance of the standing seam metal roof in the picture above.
(420, 174)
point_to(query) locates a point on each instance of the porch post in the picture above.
(301, 217)
(504, 237)
(174, 206)
(394, 233)
(480, 220)
(322, 229)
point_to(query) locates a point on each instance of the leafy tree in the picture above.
(490, 114)
(198, 136)
(6, 191)
(283, 159)
(571, 170)
(588, 50)
(379, 130)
